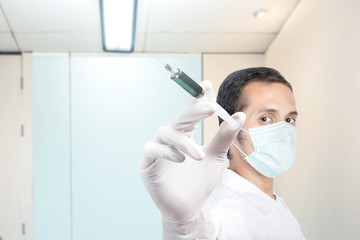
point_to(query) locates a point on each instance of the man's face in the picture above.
(266, 103)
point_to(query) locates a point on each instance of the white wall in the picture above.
(216, 67)
(318, 51)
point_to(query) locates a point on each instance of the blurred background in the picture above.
(74, 118)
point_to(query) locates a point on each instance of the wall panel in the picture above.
(51, 131)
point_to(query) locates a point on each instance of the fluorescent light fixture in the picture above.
(260, 13)
(118, 24)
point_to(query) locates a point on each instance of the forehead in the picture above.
(263, 94)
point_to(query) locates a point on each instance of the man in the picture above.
(181, 176)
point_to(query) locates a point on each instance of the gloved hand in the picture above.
(180, 175)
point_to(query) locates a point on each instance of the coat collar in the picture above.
(249, 191)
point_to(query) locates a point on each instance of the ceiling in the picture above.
(177, 26)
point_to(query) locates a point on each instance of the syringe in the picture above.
(196, 91)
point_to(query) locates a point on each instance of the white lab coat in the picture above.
(241, 211)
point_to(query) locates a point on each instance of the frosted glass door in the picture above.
(117, 105)
(92, 115)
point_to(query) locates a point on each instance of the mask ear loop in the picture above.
(240, 149)
(238, 146)
(245, 130)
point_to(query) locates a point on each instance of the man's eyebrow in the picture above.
(267, 110)
(271, 110)
(294, 113)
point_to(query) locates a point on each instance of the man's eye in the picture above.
(266, 119)
(290, 120)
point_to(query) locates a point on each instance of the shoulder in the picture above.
(229, 215)
(226, 202)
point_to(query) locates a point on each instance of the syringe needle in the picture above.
(159, 60)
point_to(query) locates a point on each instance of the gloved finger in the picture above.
(209, 97)
(198, 111)
(190, 130)
(225, 136)
(208, 88)
(180, 141)
(206, 85)
(153, 151)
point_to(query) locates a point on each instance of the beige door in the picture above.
(10, 148)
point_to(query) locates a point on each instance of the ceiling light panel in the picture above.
(118, 24)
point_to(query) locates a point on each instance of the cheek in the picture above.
(243, 138)
(245, 142)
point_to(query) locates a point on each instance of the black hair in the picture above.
(230, 91)
(229, 95)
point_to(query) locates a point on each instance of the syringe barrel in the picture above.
(187, 84)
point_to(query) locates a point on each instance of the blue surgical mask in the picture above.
(274, 148)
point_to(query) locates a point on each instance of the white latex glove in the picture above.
(180, 175)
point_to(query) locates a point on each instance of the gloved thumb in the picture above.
(225, 136)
